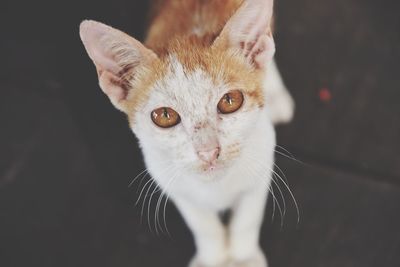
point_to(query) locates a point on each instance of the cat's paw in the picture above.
(258, 260)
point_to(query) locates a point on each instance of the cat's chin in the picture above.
(210, 177)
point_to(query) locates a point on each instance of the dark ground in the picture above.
(67, 156)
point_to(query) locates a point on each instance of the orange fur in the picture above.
(141, 85)
(170, 33)
(177, 18)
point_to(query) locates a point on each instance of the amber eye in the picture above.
(230, 102)
(165, 117)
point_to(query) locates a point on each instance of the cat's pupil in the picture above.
(165, 113)
(228, 99)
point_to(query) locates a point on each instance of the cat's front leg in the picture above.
(208, 232)
(244, 230)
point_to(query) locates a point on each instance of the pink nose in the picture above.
(209, 156)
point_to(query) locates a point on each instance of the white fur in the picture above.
(241, 183)
(277, 97)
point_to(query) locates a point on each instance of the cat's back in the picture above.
(171, 19)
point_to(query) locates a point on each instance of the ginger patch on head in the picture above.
(226, 66)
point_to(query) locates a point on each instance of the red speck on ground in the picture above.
(325, 95)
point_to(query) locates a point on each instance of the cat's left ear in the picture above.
(118, 58)
(250, 31)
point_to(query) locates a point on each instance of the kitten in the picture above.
(201, 95)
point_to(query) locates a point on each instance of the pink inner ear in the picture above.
(104, 60)
(116, 56)
(262, 51)
(112, 86)
(250, 30)
(93, 36)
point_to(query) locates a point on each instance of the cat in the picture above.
(202, 95)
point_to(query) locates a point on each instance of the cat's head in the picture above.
(195, 105)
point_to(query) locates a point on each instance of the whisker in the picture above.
(165, 207)
(269, 189)
(156, 211)
(145, 192)
(141, 192)
(164, 191)
(141, 181)
(144, 200)
(280, 170)
(267, 169)
(165, 204)
(136, 177)
(149, 206)
(156, 189)
(273, 207)
(167, 191)
(275, 199)
(289, 157)
(286, 185)
(281, 193)
(291, 194)
(287, 151)
(164, 213)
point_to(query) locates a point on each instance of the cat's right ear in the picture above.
(249, 31)
(117, 57)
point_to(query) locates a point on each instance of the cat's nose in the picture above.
(209, 156)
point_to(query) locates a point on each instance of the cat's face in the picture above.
(197, 115)
(208, 94)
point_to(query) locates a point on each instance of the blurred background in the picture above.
(67, 156)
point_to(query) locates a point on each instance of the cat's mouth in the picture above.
(210, 173)
(211, 169)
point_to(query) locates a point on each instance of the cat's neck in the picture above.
(175, 19)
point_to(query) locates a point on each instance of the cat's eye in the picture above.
(230, 102)
(165, 117)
